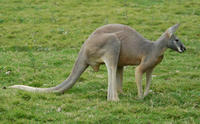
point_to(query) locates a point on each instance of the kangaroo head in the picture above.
(173, 42)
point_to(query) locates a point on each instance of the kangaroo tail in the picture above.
(78, 69)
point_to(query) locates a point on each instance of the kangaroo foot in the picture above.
(147, 92)
(112, 97)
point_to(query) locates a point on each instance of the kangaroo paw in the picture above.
(147, 92)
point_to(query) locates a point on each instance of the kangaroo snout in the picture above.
(183, 49)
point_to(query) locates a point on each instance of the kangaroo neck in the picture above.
(161, 44)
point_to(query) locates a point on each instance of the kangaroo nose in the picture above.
(183, 48)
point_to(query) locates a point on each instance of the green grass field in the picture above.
(39, 43)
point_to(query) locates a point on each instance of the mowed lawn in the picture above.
(39, 43)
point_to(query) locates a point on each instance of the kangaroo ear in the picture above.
(170, 31)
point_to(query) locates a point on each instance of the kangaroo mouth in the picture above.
(181, 49)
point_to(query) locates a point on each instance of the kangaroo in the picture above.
(116, 46)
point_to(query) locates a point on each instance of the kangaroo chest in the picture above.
(159, 59)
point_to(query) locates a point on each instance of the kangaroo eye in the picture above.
(176, 40)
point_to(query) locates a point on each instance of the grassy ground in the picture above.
(40, 40)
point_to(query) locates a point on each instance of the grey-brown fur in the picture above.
(117, 46)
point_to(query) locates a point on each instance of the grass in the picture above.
(40, 40)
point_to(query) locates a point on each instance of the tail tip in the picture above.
(4, 87)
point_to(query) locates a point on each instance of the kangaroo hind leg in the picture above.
(138, 78)
(148, 81)
(111, 60)
(119, 79)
